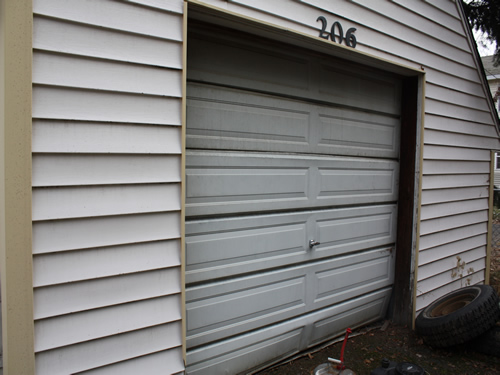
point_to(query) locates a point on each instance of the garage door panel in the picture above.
(284, 146)
(245, 300)
(235, 63)
(360, 88)
(270, 298)
(226, 185)
(264, 68)
(367, 310)
(256, 350)
(360, 229)
(350, 132)
(226, 118)
(336, 280)
(222, 113)
(226, 308)
(223, 183)
(251, 245)
(231, 246)
(336, 283)
(261, 348)
(360, 181)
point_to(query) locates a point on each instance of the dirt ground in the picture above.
(368, 346)
(366, 349)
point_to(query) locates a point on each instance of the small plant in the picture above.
(458, 271)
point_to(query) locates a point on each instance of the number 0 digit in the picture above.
(340, 34)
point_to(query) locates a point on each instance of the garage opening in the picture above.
(292, 188)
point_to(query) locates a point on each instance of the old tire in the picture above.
(489, 342)
(459, 316)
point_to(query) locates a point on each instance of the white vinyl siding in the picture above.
(107, 149)
(107, 89)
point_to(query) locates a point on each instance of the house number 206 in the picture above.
(336, 33)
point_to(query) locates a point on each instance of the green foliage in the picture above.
(484, 15)
(496, 203)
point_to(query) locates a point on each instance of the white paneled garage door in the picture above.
(285, 146)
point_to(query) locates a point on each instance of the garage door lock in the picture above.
(313, 243)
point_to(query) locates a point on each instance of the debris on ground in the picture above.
(369, 346)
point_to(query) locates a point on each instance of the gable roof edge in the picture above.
(479, 65)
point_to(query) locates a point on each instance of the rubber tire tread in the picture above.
(463, 324)
(488, 343)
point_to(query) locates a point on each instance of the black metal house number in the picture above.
(349, 39)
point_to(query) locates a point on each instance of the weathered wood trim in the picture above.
(490, 219)
(419, 172)
(408, 185)
(183, 184)
(16, 23)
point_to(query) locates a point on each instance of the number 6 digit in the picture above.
(350, 38)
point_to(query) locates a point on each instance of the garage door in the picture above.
(291, 199)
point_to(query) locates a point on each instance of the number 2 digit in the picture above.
(323, 34)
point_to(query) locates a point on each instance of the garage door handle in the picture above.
(313, 243)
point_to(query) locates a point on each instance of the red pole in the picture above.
(342, 366)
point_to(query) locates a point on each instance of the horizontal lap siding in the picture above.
(107, 165)
(107, 89)
(459, 128)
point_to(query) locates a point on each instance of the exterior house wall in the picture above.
(107, 92)
(459, 127)
(493, 76)
(107, 169)
(15, 186)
